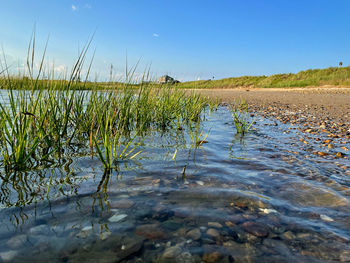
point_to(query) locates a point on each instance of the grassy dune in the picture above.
(311, 77)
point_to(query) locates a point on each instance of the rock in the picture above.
(130, 245)
(267, 211)
(194, 234)
(345, 256)
(17, 241)
(255, 229)
(212, 257)
(200, 183)
(288, 235)
(83, 234)
(186, 257)
(117, 218)
(326, 218)
(215, 224)
(339, 155)
(123, 204)
(38, 230)
(8, 256)
(150, 231)
(171, 252)
(213, 232)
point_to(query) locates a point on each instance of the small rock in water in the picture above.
(326, 218)
(117, 218)
(288, 235)
(150, 231)
(8, 256)
(345, 256)
(267, 211)
(215, 224)
(213, 232)
(87, 228)
(212, 257)
(123, 204)
(200, 183)
(194, 234)
(17, 241)
(172, 252)
(255, 229)
(41, 229)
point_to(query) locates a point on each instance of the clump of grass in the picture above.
(240, 116)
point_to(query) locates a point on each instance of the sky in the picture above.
(186, 39)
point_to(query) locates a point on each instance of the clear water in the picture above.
(261, 198)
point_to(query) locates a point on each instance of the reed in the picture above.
(241, 117)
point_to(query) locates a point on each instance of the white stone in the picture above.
(8, 256)
(117, 218)
(326, 218)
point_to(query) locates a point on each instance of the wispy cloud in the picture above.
(74, 8)
(155, 35)
(88, 6)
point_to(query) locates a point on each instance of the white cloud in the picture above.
(88, 6)
(61, 69)
(74, 8)
(155, 35)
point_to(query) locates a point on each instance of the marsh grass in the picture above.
(46, 122)
(240, 116)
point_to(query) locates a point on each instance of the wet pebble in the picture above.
(150, 231)
(171, 252)
(41, 229)
(123, 204)
(214, 224)
(255, 229)
(17, 241)
(212, 257)
(8, 256)
(117, 218)
(213, 232)
(194, 234)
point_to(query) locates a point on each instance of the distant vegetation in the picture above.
(311, 77)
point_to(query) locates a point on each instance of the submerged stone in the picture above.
(117, 218)
(255, 229)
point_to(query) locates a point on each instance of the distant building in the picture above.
(167, 79)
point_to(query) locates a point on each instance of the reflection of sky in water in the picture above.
(256, 178)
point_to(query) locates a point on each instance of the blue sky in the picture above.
(187, 39)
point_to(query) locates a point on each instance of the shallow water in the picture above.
(263, 197)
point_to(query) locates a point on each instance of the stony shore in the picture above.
(322, 114)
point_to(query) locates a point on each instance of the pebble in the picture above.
(212, 257)
(171, 252)
(200, 183)
(267, 211)
(150, 231)
(41, 229)
(117, 218)
(213, 232)
(194, 234)
(17, 241)
(123, 204)
(214, 224)
(8, 256)
(255, 229)
(345, 256)
(326, 218)
(288, 235)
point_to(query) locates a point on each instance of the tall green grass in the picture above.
(45, 123)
